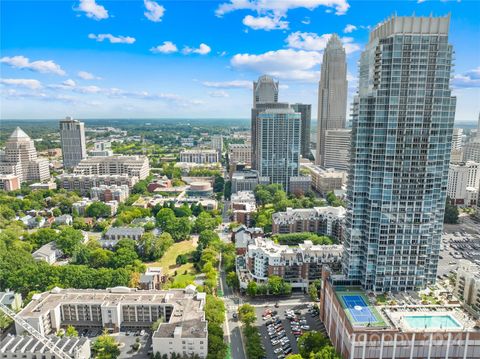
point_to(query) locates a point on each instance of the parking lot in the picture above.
(278, 336)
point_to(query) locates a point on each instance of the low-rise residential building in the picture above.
(43, 186)
(106, 193)
(183, 329)
(159, 183)
(467, 285)
(114, 234)
(463, 178)
(243, 206)
(28, 347)
(199, 156)
(64, 219)
(81, 206)
(321, 220)
(32, 221)
(243, 235)
(48, 253)
(298, 265)
(132, 166)
(84, 183)
(153, 278)
(359, 328)
(325, 180)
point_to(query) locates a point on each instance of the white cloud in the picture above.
(87, 76)
(69, 83)
(420, 1)
(218, 93)
(113, 39)
(313, 42)
(349, 28)
(93, 10)
(265, 23)
(306, 21)
(285, 64)
(154, 11)
(468, 79)
(167, 47)
(229, 84)
(32, 84)
(280, 7)
(203, 49)
(22, 62)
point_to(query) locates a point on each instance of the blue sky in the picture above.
(196, 59)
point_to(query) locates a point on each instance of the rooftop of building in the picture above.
(125, 231)
(242, 196)
(18, 134)
(18, 344)
(47, 249)
(307, 247)
(404, 311)
(116, 158)
(302, 214)
(188, 305)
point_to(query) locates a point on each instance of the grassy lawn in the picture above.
(182, 280)
(167, 262)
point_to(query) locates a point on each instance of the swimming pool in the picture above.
(431, 321)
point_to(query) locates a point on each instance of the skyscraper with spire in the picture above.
(402, 124)
(332, 94)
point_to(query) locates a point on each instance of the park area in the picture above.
(183, 274)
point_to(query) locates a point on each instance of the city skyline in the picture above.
(115, 59)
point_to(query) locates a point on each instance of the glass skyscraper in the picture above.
(402, 125)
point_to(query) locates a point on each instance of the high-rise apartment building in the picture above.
(401, 140)
(72, 137)
(306, 115)
(278, 151)
(265, 95)
(337, 148)
(457, 138)
(332, 94)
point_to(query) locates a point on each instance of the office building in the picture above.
(401, 137)
(278, 151)
(199, 156)
(298, 265)
(133, 166)
(299, 185)
(463, 179)
(306, 116)
(325, 221)
(183, 329)
(332, 94)
(239, 154)
(9, 182)
(103, 148)
(337, 149)
(457, 137)
(471, 150)
(28, 347)
(247, 180)
(456, 156)
(72, 138)
(217, 144)
(20, 159)
(325, 180)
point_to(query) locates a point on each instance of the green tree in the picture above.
(69, 240)
(106, 347)
(252, 288)
(42, 236)
(71, 331)
(451, 212)
(327, 352)
(123, 257)
(232, 280)
(313, 292)
(246, 314)
(98, 209)
(208, 237)
(165, 217)
(205, 221)
(311, 342)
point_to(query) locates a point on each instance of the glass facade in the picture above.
(401, 139)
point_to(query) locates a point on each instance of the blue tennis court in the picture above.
(358, 309)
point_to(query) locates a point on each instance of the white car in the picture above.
(278, 351)
(305, 327)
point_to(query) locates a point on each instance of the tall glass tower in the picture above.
(401, 139)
